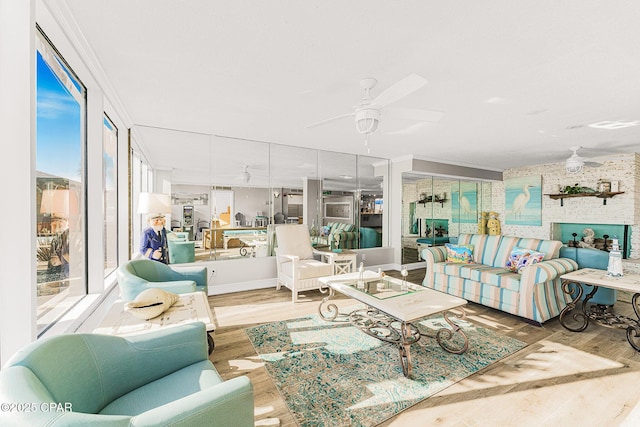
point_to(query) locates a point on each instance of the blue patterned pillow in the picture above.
(459, 253)
(522, 257)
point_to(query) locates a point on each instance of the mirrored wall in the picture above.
(437, 209)
(228, 195)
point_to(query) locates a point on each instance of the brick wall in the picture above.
(621, 209)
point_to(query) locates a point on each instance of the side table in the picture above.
(343, 262)
(577, 314)
(191, 307)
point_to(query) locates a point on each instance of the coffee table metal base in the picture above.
(386, 328)
(577, 314)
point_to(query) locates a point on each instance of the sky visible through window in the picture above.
(58, 127)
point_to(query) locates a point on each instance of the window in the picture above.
(61, 186)
(110, 194)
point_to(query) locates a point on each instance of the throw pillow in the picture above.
(459, 253)
(521, 257)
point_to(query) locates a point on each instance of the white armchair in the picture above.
(298, 270)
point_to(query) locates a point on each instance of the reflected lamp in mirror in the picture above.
(59, 203)
(154, 203)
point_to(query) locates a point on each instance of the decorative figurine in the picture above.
(588, 241)
(614, 269)
(360, 284)
(493, 224)
(404, 273)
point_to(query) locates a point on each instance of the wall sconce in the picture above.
(276, 194)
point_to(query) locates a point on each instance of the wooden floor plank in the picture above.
(562, 377)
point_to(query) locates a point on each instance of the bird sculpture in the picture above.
(521, 201)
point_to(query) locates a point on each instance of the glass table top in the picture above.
(383, 287)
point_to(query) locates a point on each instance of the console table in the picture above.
(577, 315)
(191, 307)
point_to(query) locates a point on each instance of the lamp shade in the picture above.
(156, 203)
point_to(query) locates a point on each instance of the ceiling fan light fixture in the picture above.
(574, 163)
(367, 120)
(574, 167)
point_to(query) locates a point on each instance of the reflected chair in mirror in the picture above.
(139, 274)
(279, 218)
(200, 226)
(297, 268)
(239, 219)
(157, 378)
(181, 249)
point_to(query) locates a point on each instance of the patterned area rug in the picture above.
(333, 374)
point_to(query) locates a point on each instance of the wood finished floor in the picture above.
(561, 378)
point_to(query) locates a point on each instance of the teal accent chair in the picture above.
(181, 250)
(158, 378)
(370, 238)
(592, 258)
(139, 274)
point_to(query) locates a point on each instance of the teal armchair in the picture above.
(181, 250)
(139, 274)
(155, 379)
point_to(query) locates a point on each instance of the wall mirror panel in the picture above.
(438, 209)
(228, 195)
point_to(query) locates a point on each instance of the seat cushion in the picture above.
(186, 381)
(308, 268)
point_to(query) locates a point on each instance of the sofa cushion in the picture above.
(485, 246)
(495, 276)
(550, 248)
(308, 268)
(459, 253)
(522, 257)
(186, 381)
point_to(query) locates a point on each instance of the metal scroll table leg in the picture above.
(580, 317)
(445, 335)
(633, 330)
(330, 309)
(405, 350)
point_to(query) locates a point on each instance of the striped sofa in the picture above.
(534, 294)
(326, 235)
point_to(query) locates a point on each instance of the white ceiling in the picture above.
(518, 81)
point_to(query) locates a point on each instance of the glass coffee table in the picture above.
(391, 306)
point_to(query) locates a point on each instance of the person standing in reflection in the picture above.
(154, 239)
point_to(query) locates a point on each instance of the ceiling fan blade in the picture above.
(400, 89)
(330, 120)
(414, 128)
(593, 164)
(414, 114)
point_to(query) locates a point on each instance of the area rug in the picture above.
(333, 374)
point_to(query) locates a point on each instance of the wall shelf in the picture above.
(604, 195)
(437, 200)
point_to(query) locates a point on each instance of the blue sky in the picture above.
(58, 136)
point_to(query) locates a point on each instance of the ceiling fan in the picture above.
(368, 113)
(575, 163)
